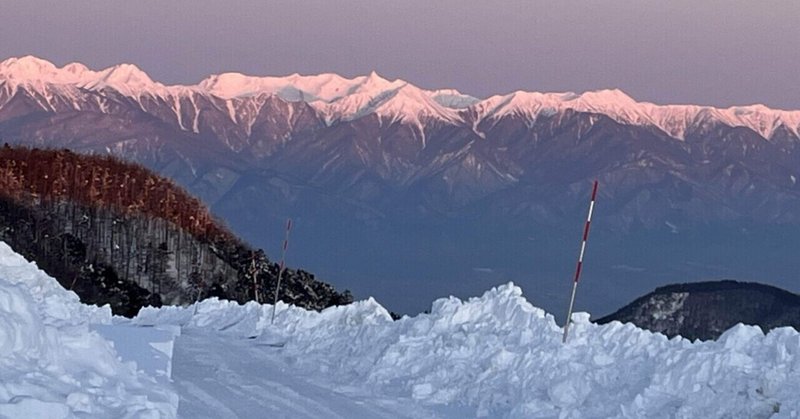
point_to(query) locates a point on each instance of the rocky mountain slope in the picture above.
(705, 310)
(435, 175)
(116, 233)
(369, 139)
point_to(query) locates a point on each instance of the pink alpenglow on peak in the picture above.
(341, 98)
(31, 69)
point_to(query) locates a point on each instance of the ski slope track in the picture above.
(490, 356)
(499, 356)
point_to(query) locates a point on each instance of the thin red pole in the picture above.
(580, 262)
(280, 270)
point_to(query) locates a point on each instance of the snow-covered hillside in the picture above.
(492, 356)
(54, 365)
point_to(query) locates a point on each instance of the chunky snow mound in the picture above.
(53, 366)
(503, 357)
(496, 356)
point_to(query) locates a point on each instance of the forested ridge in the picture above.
(116, 233)
(35, 175)
(705, 310)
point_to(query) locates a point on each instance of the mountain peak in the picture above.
(76, 68)
(27, 67)
(374, 78)
(26, 61)
(374, 83)
(607, 97)
(227, 85)
(127, 74)
(34, 71)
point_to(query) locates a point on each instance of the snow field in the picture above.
(502, 357)
(52, 365)
(492, 356)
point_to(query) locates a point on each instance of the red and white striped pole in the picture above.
(280, 270)
(580, 262)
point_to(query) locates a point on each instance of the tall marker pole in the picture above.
(280, 270)
(580, 263)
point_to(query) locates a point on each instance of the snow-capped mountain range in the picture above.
(340, 98)
(431, 175)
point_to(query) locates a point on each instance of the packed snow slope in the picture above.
(54, 365)
(493, 356)
(496, 356)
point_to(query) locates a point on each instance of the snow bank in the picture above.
(502, 357)
(53, 366)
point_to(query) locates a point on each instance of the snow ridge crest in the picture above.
(340, 98)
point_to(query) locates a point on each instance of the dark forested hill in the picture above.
(116, 233)
(704, 310)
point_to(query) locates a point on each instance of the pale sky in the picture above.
(721, 52)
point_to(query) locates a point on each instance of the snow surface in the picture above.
(499, 356)
(336, 97)
(53, 365)
(492, 356)
(340, 98)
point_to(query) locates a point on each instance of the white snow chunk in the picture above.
(52, 365)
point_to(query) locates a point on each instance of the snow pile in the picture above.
(501, 356)
(53, 366)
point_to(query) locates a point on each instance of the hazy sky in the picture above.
(668, 51)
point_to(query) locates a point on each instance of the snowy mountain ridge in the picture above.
(340, 98)
(125, 78)
(373, 153)
(674, 120)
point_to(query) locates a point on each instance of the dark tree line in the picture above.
(116, 233)
(36, 175)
